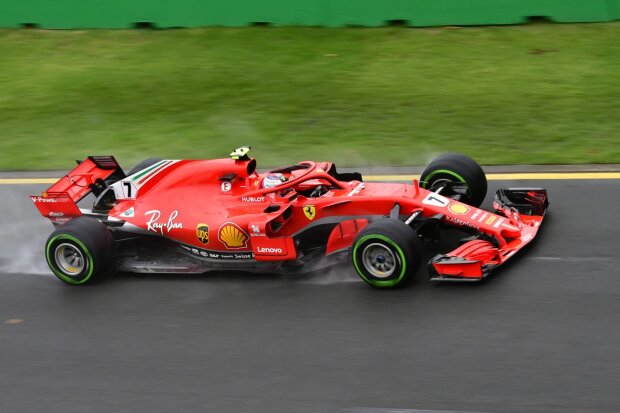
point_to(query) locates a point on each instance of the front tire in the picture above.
(387, 253)
(456, 169)
(80, 251)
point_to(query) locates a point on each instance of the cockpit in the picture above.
(309, 179)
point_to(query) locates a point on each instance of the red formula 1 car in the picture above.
(180, 216)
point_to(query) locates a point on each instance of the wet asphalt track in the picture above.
(543, 335)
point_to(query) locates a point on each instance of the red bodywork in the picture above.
(217, 209)
(58, 202)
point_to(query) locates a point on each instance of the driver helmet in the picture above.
(273, 179)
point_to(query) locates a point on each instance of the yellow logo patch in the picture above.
(202, 233)
(232, 236)
(310, 212)
(490, 220)
(458, 209)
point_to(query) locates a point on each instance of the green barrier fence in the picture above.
(69, 14)
(614, 6)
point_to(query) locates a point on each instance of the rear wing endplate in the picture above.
(59, 201)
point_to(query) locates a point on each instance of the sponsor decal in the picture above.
(458, 209)
(476, 214)
(218, 255)
(461, 222)
(490, 220)
(499, 222)
(56, 214)
(256, 232)
(253, 198)
(153, 224)
(310, 212)
(356, 190)
(232, 236)
(202, 233)
(226, 186)
(269, 250)
(129, 213)
(41, 199)
(437, 200)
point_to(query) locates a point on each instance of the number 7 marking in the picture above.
(128, 191)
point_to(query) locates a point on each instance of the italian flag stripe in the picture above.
(154, 172)
(147, 170)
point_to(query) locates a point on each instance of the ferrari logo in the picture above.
(310, 212)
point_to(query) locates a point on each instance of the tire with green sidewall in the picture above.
(401, 239)
(93, 239)
(143, 165)
(458, 168)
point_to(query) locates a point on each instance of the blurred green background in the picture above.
(539, 93)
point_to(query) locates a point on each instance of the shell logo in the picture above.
(232, 236)
(458, 209)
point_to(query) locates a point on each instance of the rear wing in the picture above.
(59, 201)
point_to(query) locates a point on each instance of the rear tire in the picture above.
(458, 169)
(80, 251)
(387, 253)
(143, 165)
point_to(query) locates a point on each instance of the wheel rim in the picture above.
(379, 260)
(440, 183)
(451, 174)
(447, 181)
(70, 259)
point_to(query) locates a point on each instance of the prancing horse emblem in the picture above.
(310, 212)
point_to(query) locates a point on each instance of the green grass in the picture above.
(540, 93)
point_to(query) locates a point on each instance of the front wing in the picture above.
(524, 208)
